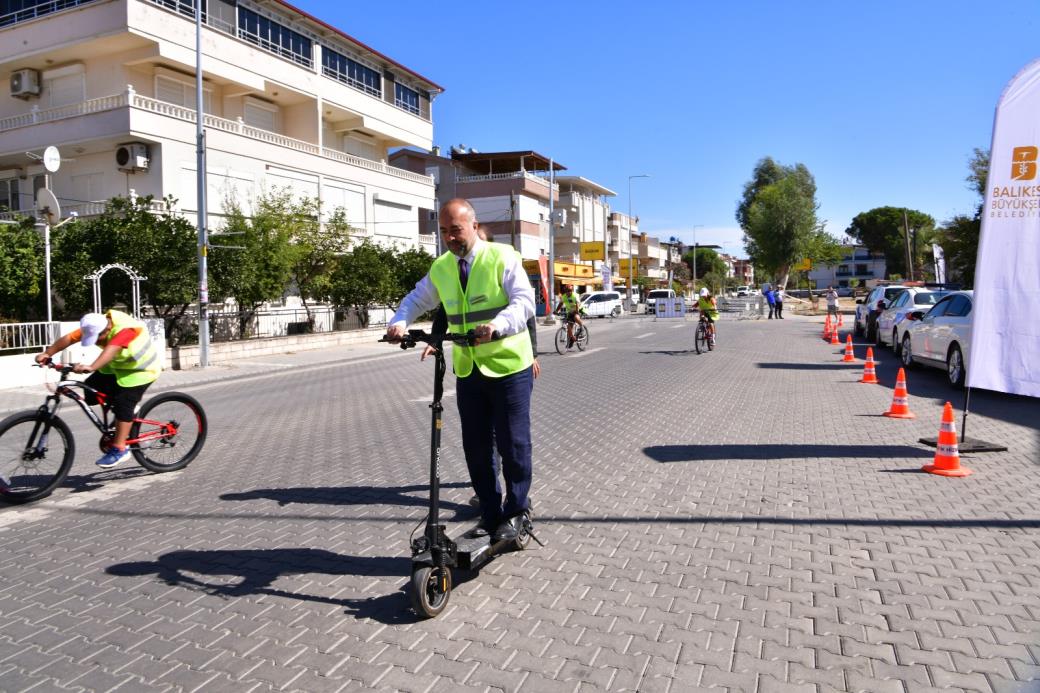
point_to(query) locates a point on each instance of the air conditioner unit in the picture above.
(25, 84)
(132, 157)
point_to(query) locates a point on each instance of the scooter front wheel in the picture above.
(430, 589)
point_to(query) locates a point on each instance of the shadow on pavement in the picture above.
(700, 453)
(241, 572)
(674, 352)
(807, 366)
(356, 495)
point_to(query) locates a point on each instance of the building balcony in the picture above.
(129, 113)
(504, 184)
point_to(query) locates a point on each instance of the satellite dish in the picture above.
(51, 159)
(47, 205)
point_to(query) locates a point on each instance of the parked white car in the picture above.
(651, 298)
(865, 322)
(891, 323)
(941, 337)
(600, 304)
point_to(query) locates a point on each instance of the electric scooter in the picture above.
(434, 554)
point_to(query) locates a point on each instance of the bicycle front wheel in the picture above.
(36, 453)
(700, 339)
(581, 337)
(561, 340)
(169, 432)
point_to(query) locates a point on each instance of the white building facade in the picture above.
(289, 101)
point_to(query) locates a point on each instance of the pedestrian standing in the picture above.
(832, 302)
(770, 300)
(484, 288)
(778, 301)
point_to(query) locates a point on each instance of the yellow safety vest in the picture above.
(483, 299)
(570, 301)
(138, 362)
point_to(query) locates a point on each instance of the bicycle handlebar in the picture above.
(64, 368)
(414, 337)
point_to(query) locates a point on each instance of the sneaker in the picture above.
(113, 457)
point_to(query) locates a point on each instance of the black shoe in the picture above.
(509, 529)
(481, 530)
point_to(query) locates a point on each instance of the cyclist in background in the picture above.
(570, 303)
(709, 309)
(127, 365)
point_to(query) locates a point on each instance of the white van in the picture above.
(600, 304)
(651, 298)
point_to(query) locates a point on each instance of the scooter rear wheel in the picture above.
(430, 589)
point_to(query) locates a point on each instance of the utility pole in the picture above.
(512, 219)
(200, 180)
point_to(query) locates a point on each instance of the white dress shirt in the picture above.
(511, 320)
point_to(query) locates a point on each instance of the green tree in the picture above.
(707, 261)
(882, 230)
(262, 269)
(159, 245)
(409, 267)
(779, 221)
(317, 248)
(21, 272)
(364, 277)
(959, 236)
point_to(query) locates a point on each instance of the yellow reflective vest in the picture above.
(483, 299)
(137, 363)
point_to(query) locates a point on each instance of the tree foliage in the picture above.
(778, 215)
(882, 230)
(707, 261)
(363, 277)
(21, 272)
(959, 236)
(409, 267)
(159, 245)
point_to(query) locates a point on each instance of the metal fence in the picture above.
(229, 326)
(25, 337)
(745, 307)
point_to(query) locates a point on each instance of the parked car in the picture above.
(941, 337)
(600, 304)
(844, 291)
(891, 323)
(743, 291)
(651, 298)
(867, 309)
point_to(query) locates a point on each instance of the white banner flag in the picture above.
(940, 263)
(1005, 342)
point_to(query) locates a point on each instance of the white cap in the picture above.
(90, 327)
(704, 291)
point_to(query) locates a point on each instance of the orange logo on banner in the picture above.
(1023, 163)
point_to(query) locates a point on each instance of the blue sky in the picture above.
(883, 101)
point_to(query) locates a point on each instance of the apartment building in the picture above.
(584, 211)
(622, 243)
(858, 264)
(289, 101)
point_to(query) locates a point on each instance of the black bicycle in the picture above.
(704, 340)
(581, 336)
(37, 448)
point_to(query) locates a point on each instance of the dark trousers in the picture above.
(772, 307)
(780, 309)
(497, 411)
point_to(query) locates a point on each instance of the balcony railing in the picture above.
(38, 10)
(506, 176)
(237, 127)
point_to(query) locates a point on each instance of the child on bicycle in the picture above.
(709, 309)
(127, 366)
(570, 303)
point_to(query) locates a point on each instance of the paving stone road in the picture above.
(743, 520)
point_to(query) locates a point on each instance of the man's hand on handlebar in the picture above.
(483, 333)
(43, 358)
(394, 333)
(82, 368)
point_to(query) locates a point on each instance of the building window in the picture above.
(406, 98)
(273, 37)
(862, 270)
(9, 195)
(260, 114)
(351, 72)
(64, 87)
(181, 93)
(14, 11)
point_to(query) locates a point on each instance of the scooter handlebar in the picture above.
(415, 337)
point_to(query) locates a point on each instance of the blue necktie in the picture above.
(463, 272)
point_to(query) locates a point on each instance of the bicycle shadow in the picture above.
(357, 495)
(671, 352)
(85, 483)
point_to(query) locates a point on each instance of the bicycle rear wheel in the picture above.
(710, 337)
(170, 431)
(581, 337)
(36, 453)
(561, 340)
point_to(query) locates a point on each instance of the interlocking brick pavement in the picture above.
(742, 520)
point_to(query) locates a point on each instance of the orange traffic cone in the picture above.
(869, 374)
(841, 321)
(947, 457)
(827, 329)
(834, 336)
(900, 408)
(850, 355)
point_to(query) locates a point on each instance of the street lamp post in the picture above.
(630, 258)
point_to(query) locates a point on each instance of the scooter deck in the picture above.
(471, 552)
